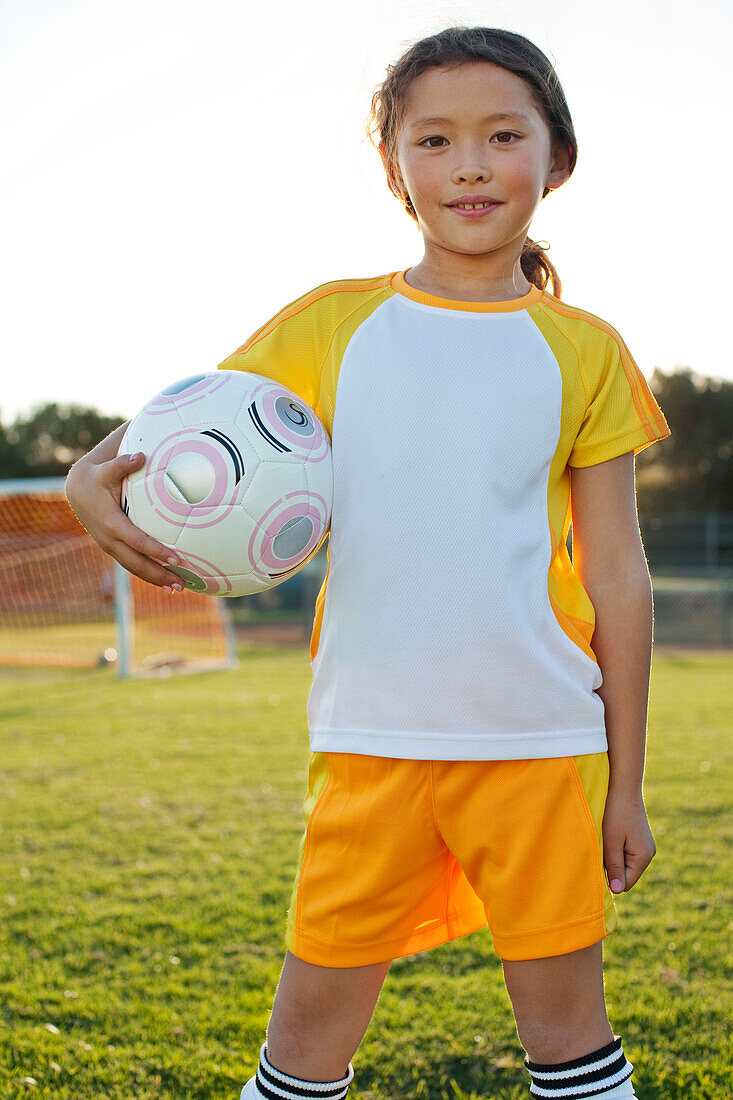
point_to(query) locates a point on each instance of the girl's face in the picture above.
(453, 143)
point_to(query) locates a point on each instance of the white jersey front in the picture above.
(451, 624)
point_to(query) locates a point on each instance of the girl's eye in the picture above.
(437, 137)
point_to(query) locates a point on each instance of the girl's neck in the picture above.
(468, 288)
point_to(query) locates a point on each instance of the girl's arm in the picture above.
(93, 491)
(609, 558)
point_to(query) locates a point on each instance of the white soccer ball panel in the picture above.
(145, 430)
(223, 537)
(272, 482)
(319, 474)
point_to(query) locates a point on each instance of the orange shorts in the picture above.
(399, 856)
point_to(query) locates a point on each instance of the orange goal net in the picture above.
(65, 602)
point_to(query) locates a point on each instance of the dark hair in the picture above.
(451, 47)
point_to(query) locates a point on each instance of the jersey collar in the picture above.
(402, 287)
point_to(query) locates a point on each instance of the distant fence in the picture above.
(699, 543)
(690, 556)
(693, 611)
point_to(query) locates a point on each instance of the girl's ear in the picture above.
(559, 168)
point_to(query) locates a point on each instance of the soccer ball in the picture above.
(238, 478)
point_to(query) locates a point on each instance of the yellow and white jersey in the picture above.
(451, 625)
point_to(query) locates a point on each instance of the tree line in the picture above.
(690, 471)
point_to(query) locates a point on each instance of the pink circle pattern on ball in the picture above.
(260, 543)
(316, 448)
(221, 499)
(163, 403)
(217, 583)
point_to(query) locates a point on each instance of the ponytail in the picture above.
(538, 268)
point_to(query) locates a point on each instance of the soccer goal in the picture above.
(64, 602)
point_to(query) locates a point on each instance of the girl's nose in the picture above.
(463, 174)
(471, 166)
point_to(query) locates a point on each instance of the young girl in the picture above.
(475, 759)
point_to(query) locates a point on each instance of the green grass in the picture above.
(148, 842)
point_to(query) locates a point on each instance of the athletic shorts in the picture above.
(399, 856)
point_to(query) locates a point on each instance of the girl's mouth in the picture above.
(475, 212)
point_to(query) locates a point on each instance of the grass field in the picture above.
(148, 842)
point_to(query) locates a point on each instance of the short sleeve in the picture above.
(622, 413)
(286, 350)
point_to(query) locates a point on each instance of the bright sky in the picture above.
(174, 172)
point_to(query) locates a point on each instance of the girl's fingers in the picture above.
(119, 467)
(636, 865)
(138, 552)
(130, 535)
(144, 567)
(615, 868)
(145, 546)
(625, 864)
(93, 490)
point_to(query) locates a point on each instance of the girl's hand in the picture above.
(628, 844)
(93, 490)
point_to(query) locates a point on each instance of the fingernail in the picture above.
(172, 561)
(134, 458)
(178, 587)
(617, 885)
(167, 589)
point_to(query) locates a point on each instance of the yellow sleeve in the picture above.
(287, 350)
(622, 413)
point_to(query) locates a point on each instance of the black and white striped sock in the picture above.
(271, 1084)
(604, 1073)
